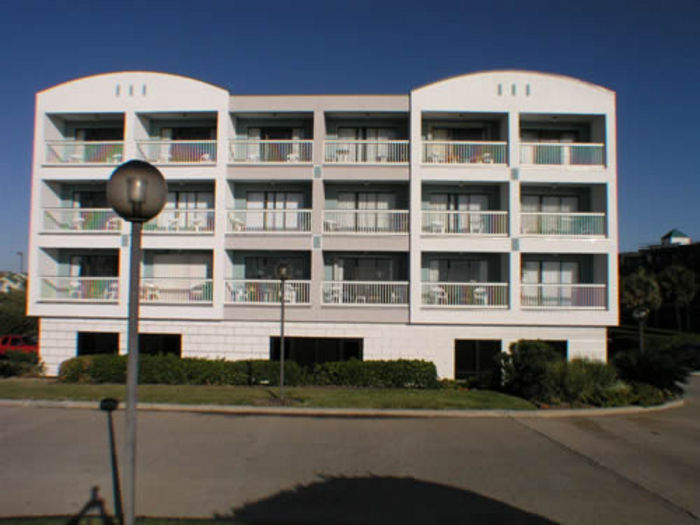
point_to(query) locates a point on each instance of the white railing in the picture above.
(366, 151)
(255, 151)
(175, 290)
(92, 289)
(562, 154)
(262, 221)
(81, 220)
(478, 295)
(365, 221)
(258, 291)
(365, 292)
(572, 224)
(82, 152)
(466, 222)
(177, 151)
(461, 152)
(181, 221)
(564, 295)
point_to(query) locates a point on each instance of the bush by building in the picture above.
(169, 369)
(14, 363)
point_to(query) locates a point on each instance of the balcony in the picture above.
(584, 296)
(562, 154)
(366, 151)
(366, 221)
(182, 221)
(73, 152)
(269, 221)
(177, 151)
(472, 295)
(260, 291)
(81, 220)
(462, 152)
(261, 151)
(80, 289)
(174, 290)
(465, 222)
(360, 293)
(578, 225)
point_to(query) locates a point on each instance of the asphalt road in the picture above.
(640, 469)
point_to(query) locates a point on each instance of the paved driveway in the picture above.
(621, 469)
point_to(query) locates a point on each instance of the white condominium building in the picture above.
(442, 224)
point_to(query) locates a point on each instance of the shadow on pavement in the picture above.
(379, 500)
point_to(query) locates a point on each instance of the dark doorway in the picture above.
(92, 343)
(475, 358)
(159, 344)
(306, 351)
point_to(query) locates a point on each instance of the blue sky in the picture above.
(648, 52)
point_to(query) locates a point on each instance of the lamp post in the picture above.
(282, 275)
(640, 314)
(137, 192)
(21, 262)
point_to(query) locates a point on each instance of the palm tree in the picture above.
(678, 287)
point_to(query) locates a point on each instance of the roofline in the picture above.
(526, 71)
(132, 71)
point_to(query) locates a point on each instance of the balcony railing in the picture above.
(181, 221)
(365, 221)
(257, 291)
(476, 295)
(82, 152)
(256, 151)
(174, 290)
(562, 154)
(564, 296)
(366, 151)
(460, 152)
(571, 224)
(70, 289)
(466, 222)
(177, 151)
(365, 292)
(269, 221)
(81, 220)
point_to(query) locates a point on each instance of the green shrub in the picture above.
(659, 368)
(582, 381)
(648, 395)
(15, 363)
(528, 371)
(107, 368)
(401, 373)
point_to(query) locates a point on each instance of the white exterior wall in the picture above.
(251, 340)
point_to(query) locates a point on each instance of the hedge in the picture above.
(168, 369)
(15, 363)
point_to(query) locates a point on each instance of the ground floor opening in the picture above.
(476, 358)
(94, 343)
(307, 351)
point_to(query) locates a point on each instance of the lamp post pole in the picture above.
(137, 192)
(640, 314)
(283, 275)
(21, 262)
(132, 371)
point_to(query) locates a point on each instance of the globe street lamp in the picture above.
(137, 192)
(282, 275)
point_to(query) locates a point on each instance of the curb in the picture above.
(357, 412)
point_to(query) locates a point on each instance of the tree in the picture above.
(13, 319)
(678, 287)
(640, 290)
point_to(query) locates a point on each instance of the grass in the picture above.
(323, 397)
